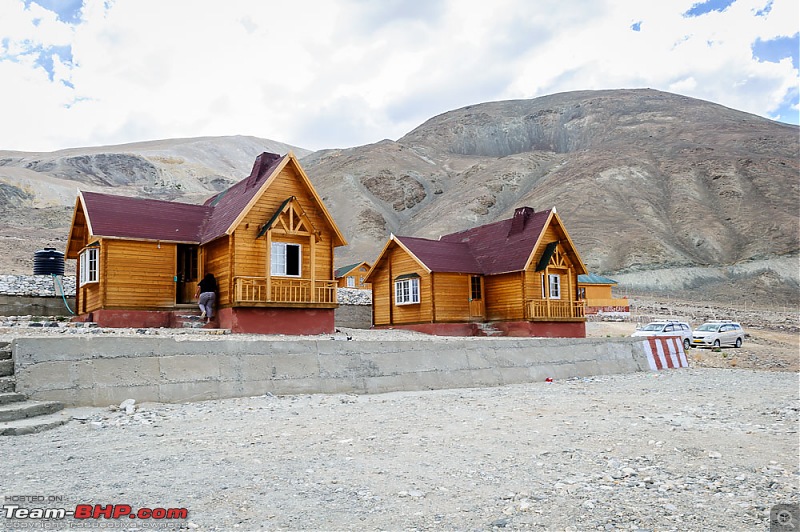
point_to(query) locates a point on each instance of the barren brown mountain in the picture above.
(660, 190)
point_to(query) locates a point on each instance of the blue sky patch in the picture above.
(68, 11)
(774, 50)
(45, 59)
(701, 8)
(765, 10)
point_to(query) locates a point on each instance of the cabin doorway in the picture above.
(477, 309)
(186, 279)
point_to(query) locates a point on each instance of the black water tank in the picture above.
(48, 261)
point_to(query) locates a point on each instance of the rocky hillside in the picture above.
(38, 190)
(645, 181)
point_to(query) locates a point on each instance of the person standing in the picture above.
(207, 294)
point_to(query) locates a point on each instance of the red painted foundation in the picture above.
(546, 329)
(129, 318)
(238, 320)
(277, 320)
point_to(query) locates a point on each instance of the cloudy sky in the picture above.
(339, 73)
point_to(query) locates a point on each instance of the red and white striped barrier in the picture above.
(665, 352)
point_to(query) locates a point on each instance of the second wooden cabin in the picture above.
(517, 277)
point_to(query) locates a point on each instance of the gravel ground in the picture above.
(694, 449)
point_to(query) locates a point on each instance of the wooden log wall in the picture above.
(451, 297)
(504, 297)
(138, 274)
(214, 259)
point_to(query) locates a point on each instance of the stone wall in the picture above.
(99, 371)
(35, 285)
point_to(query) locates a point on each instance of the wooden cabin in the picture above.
(517, 277)
(595, 291)
(268, 240)
(352, 276)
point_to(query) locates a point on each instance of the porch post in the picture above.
(269, 265)
(313, 267)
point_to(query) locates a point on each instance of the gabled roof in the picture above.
(504, 246)
(500, 247)
(440, 256)
(229, 204)
(593, 278)
(145, 219)
(340, 272)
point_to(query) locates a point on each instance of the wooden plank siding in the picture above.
(214, 260)
(138, 274)
(451, 297)
(503, 295)
(384, 307)
(382, 296)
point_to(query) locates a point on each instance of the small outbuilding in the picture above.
(595, 291)
(517, 277)
(353, 276)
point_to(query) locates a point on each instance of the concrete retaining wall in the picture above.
(98, 371)
(34, 306)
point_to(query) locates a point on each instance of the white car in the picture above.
(717, 334)
(667, 328)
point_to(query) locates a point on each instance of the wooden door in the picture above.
(186, 277)
(477, 308)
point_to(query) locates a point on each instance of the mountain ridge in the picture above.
(644, 180)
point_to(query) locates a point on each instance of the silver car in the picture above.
(718, 333)
(667, 328)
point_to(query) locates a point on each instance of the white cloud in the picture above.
(335, 73)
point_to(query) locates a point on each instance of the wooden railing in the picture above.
(283, 290)
(538, 309)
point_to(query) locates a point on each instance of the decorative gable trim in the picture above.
(548, 254)
(338, 238)
(290, 219)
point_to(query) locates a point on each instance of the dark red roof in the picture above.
(135, 218)
(229, 204)
(441, 256)
(123, 217)
(499, 247)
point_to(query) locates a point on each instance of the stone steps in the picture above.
(29, 425)
(188, 320)
(6, 367)
(17, 415)
(11, 397)
(7, 384)
(28, 409)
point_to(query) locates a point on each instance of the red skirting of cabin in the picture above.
(136, 319)
(299, 321)
(545, 329)
(238, 320)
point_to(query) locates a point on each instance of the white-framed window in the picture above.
(406, 291)
(88, 264)
(351, 281)
(285, 259)
(555, 286)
